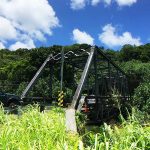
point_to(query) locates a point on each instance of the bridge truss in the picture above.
(94, 76)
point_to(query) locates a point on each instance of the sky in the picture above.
(107, 23)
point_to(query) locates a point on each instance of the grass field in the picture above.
(33, 130)
(132, 134)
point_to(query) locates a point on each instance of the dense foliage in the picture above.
(129, 135)
(35, 130)
(142, 97)
(32, 130)
(18, 67)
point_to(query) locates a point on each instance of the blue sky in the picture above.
(108, 23)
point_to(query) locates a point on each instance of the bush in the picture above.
(129, 135)
(142, 97)
(137, 72)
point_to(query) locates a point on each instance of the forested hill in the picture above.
(18, 67)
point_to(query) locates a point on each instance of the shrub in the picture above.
(142, 97)
(129, 135)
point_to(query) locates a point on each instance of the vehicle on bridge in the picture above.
(9, 100)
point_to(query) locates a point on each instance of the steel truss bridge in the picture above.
(96, 77)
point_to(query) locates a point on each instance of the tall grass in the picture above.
(35, 131)
(129, 135)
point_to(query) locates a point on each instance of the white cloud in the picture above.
(7, 31)
(27, 44)
(110, 37)
(79, 4)
(95, 2)
(33, 18)
(82, 37)
(125, 2)
(108, 2)
(2, 45)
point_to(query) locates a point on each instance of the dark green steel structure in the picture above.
(98, 78)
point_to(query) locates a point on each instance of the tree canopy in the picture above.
(18, 67)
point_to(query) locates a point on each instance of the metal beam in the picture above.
(62, 69)
(51, 80)
(108, 59)
(35, 78)
(83, 78)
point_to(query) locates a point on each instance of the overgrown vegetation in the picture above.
(33, 130)
(18, 67)
(131, 134)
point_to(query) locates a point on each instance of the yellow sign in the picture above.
(61, 98)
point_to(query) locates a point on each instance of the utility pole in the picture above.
(62, 69)
(61, 94)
